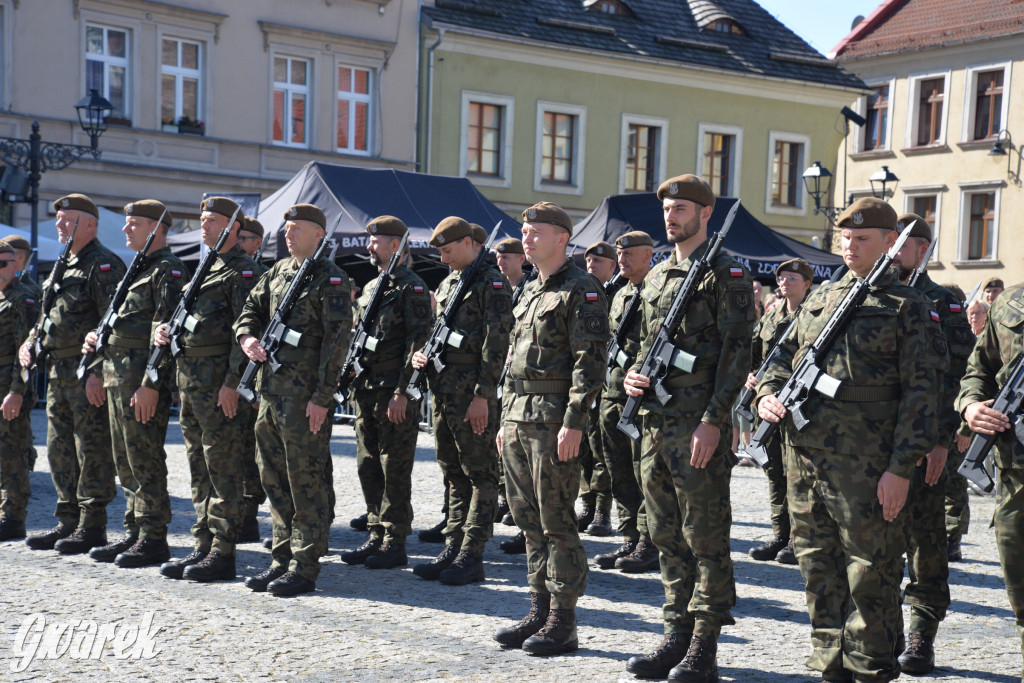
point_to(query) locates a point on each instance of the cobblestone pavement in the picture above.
(371, 625)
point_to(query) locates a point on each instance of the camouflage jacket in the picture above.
(890, 360)
(212, 357)
(1000, 344)
(613, 388)
(402, 326)
(33, 287)
(88, 286)
(767, 333)
(716, 328)
(18, 312)
(151, 300)
(560, 334)
(484, 320)
(322, 315)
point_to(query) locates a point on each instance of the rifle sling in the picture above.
(868, 394)
(386, 366)
(689, 380)
(525, 387)
(205, 351)
(120, 342)
(66, 352)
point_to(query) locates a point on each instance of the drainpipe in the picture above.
(430, 97)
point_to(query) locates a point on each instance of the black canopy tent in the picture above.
(751, 242)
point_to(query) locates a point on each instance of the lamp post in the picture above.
(36, 157)
(818, 181)
(879, 181)
(1004, 142)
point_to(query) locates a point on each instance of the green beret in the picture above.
(451, 229)
(18, 242)
(689, 187)
(921, 228)
(149, 208)
(386, 225)
(222, 205)
(306, 212)
(796, 265)
(509, 245)
(994, 282)
(637, 238)
(250, 224)
(602, 249)
(548, 212)
(6, 247)
(76, 202)
(479, 234)
(868, 212)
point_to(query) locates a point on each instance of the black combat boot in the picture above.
(515, 545)
(359, 555)
(586, 517)
(602, 524)
(919, 657)
(107, 553)
(11, 530)
(700, 665)
(467, 568)
(607, 560)
(82, 540)
(290, 583)
(768, 550)
(787, 555)
(389, 556)
(359, 523)
(434, 534)
(516, 634)
(502, 510)
(250, 531)
(508, 519)
(175, 569)
(268, 543)
(259, 583)
(146, 552)
(431, 570)
(557, 637)
(46, 541)
(657, 664)
(953, 552)
(214, 567)
(644, 558)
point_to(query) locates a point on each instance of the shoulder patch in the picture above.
(498, 284)
(592, 296)
(104, 267)
(735, 272)
(335, 280)
(741, 298)
(247, 273)
(955, 308)
(30, 302)
(418, 289)
(175, 273)
(935, 316)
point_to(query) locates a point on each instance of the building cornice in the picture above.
(326, 38)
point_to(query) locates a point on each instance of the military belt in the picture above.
(205, 351)
(66, 352)
(524, 387)
(386, 366)
(464, 358)
(7, 360)
(689, 380)
(127, 342)
(884, 392)
(310, 342)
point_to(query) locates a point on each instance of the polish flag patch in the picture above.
(592, 296)
(955, 308)
(175, 273)
(30, 302)
(498, 285)
(935, 316)
(105, 267)
(418, 289)
(246, 273)
(335, 280)
(735, 272)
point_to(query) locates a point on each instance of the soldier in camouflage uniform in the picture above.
(18, 313)
(213, 420)
(22, 256)
(464, 403)
(558, 347)
(999, 347)
(686, 456)
(386, 420)
(138, 408)
(78, 437)
(293, 430)
(849, 469)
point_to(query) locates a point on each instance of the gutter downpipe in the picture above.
(430, 98)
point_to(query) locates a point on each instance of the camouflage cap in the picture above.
(451, 229)
(687, 186)
(602, 249)
(994, 282)
(387, 225)
(151, 209)
(548, 212)
(509, 245)
(76, 202)
(18, 242)
(796, 265)
(479, 234)
(306, 212)
(868, 212)
(636, 238)
(921, 228)
(220, 205)
(250, 224)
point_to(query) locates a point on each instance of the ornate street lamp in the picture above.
(880, 180)
(1004, 142)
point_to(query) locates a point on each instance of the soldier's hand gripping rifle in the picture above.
(50, 290)
(1008, 402)
(616, 355)
(278, 332)
(516, 294)
(362, 340)
(110, 317)
(182, 318)
(922, 266)
(444, 333)
(663, 354)
(808, 375)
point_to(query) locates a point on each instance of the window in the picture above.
(609, 7)
(354, 101)
(484, 139)
(642, 153)
(725, 26)
(106, 67)
(877, 128)
(925, 207)
(180, 79)
(787, 158)
(717, 169)
(561, 130)
(291, 95)
(981, 225)
(988, 106)
(929, 111)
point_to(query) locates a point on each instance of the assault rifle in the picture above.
(808, 374)
(362, 341)
(110, 317)
(617, 282)
(616, 354)
(50, 290)
(444, 332)
(922, 266)
(1008, 402)
(182, 318)
(516, 294)
(663, 354)
(278, 332)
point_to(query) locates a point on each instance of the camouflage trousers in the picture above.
(293, 470)
(850, 559)
(78, 448)
(1009, 526)
(215, 464)
(620, 453)
(542, 495)
(470, 468)
(776, 471)
(927, 564)
(141, 462)
(253, 494)
(595, 479)
(957, 503)
(689, 517)
(15, 488)
(384, 457)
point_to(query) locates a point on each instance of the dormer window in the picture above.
(726, 26)
(608, 7)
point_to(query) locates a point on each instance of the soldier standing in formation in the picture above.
(464, 404)
(78, 434)
(558, 347)
(849, 469)
(22, 261)
(686, 459)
